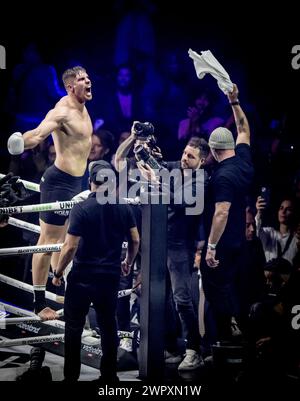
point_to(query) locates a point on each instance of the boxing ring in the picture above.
(25, 323)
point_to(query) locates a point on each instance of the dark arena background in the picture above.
(259, 47)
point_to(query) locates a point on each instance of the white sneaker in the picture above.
(126, 344)
(192, 360)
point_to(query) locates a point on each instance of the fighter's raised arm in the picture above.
(17, 142)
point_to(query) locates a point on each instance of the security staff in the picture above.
(94, 242)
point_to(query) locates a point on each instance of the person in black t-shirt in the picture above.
(94, 242)
(225, 217)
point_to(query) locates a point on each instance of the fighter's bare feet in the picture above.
(48, 314)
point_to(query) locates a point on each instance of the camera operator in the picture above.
(182, 234)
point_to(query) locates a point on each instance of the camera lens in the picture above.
(138, 127)
(143, 129)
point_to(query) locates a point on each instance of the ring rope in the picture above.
(49, 295)
(24, 224)
(22, 250)
(31, 340)
(43, 207)
(24, 286)
(27, 184)
(32, 318)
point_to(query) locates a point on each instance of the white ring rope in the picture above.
(22, 250)
(49, 295)
(24, 286)
(24, 224)
(46, 207)
(49, 339)
(43, 207)
(27, 184)
(31, 340)
(30, 318)
(18, 320)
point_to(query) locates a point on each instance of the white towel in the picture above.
(208, 64)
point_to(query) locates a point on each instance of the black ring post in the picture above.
(152, 308)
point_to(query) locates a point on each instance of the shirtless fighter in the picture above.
(71, 128)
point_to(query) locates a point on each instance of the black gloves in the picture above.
(11, 193)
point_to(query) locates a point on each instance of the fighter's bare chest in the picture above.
(78, 126)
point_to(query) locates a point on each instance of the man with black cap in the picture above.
(225, 217)
(94, 242)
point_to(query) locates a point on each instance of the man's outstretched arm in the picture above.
(17, 142)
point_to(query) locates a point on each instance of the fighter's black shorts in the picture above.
(56, 185)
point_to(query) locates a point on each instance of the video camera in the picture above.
(141, 153)
(143, 130)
